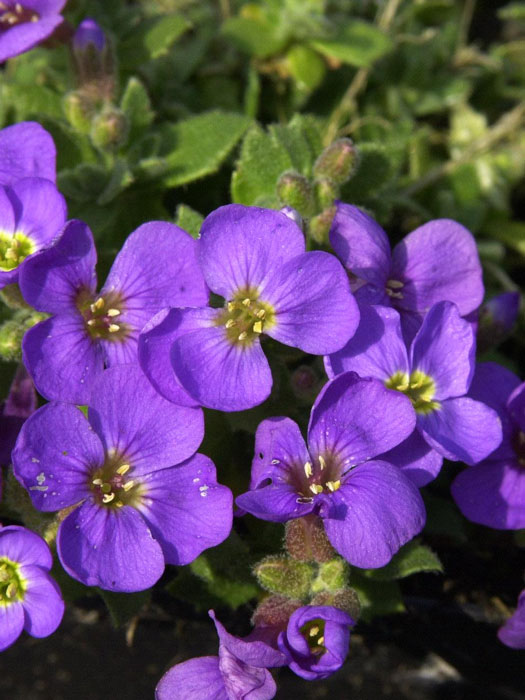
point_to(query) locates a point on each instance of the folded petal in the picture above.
(186, 509)
(492, 494)
(11, 622)
(26, 150)
(196, 679)
(241, 246)
(361, 244)
(277, 503)
(314, 308)
(52, 280)
(254, 653)
(110, 548)
(376, 350)
(438, 262)
(43, 604)
(24, 546)
(356, 419)
(43, 209)
(134, 421)
(416, 459)
(462, 429)
(55, 453)
(244, 681)
(62, 359)
(375, 512)
(445, 349)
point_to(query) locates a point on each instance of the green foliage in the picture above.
(285, 576)
(189, 220)
(151, 39)
(357, 43)
(413, 558)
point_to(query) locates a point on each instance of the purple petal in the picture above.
(132, 419)
(356, 419)
(23, 37)
(241, 246)
(416, 459)
(19, 405)
(278, 445)
(7, 211)
(11, 624)
(376, 350)
(43, 209)
(244, 682)
(438, 262)
(26, 150)
(444, 349)
(462, 429)
(361, 244)
(186, 509)
(278, 503)
(513, 631)
(25, 547)
(52, 280)
(492, 494)
(196, 679)
(62, 359)
(217, 373)
(56, 471)
(43, 604)
(154, 353)
(315, 310)
(256, 653)
(146, 288)
(375, 512)
(516, 406)
(110, 548)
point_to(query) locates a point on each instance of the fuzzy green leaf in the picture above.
(411, 559)
(152, 39)
(189, 219)
(136, 106)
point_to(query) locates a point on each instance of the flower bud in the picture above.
(306, 540)
(345, 599)
(332, 576)
(274, 611)
(320, 225)
(496, 319)
(285, 576)
(109, 128)
(304, 382)
(93, 59)
(295, 190)
(79, 111)
(89, 35)
(337, 162)
(326, 192)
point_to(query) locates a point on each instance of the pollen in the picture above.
(322, 462)
(245, 317)
(333, 485)
(316, 488)
(123, 469)
(113, 327)
(308, 469)
(113, 312)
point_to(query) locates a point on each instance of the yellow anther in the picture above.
(113, 312)
(108, 497)
(119, 504)
(313, 631)
(242, 336)
(128, 485)
(123, 469)
(91, 322)
(333, 485)
(261, 313)
(231, 306)
(395, 284)
(113, 328)
(316, 488)
(97, 482)
(230, 323)
(322, 462)
(257, 327)
(320, 641)
(11, 590)
(98, 304)
(308, 469)
(246, 302)
(402, 387)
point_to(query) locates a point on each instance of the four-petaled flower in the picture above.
(25, 23)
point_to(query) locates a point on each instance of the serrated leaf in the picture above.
(197, 146)
(189, 220)
(136, 105)
(411, 559)
(152, 39)
(124, 606)
(377, 597)
(357, 43)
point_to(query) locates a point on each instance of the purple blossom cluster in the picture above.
(128, 369)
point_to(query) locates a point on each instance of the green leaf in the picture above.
(411, 559)
(357, 43)
(285, 576)
(136, 105)
(189, 220)
(121, 177)
(197, 146)
(306, 67)
(152, 39)
(83, 183)
(375, 169)
(377, 597)
(511, 233)
(124, 606)
(255, 36)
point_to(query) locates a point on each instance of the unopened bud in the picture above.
(88, 34)
(285, 576)
(337, 161)
(110, 128)
(320, 225)
(275, 611)
(93, 58)
(332, 576)
(79, 110)
(295, 190)
(346, 599)
(496, 319)
(306, 540)
(326, 192)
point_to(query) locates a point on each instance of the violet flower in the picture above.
(316, 641)
(435, 373)
(239, 672)
(32, 212)
(437, 262)
(255, 259)
(137, 496)
(88, 331)
(25, 23)
(89, 34)
(29, 598)
(512, 633)
(26, 150)
(492, 492)
(369, 507)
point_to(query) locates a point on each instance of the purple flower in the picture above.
(26, 150)
(88, 34)
(29, 598)
(32, 212)
(132, 510)
(239, 672)
(67, 352)
(436, 262)
(492, 493)
(496, 319)
(25, 23)
(316, 641)
(19, 405)
(513, 631)
(369, 507)
(435, 373)
(255, 259)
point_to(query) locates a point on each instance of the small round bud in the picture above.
(346, 599)
(295, 190)
(284, 576)
(337, 162)
(319, 226)
(89, 34)
(110, 128)
(304, 382)
(326, 192)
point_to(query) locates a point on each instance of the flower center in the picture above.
(12, 585)
(101, 316)
(320, 476)
(419, 387)
(518, 443)
(245, 317)
(14, 248)
(313, 632)
(111, 485)
(11, 15)
(393, 289)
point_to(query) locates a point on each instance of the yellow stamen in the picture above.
(313, 631)
(242, 336)
(97, 482)
(261, 313)
(123, 469)
(231, 306)
(128, 485)
(113, 312)
(322, 462)
(230, 323)
(246, 302)
(333, 485)
(113, 328)
(320, 641)
(257, 327)
(98, 304)
(108, 497)
(308, 469)
(91, 322)
(316, 488)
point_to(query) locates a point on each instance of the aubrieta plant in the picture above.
(271, 407)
